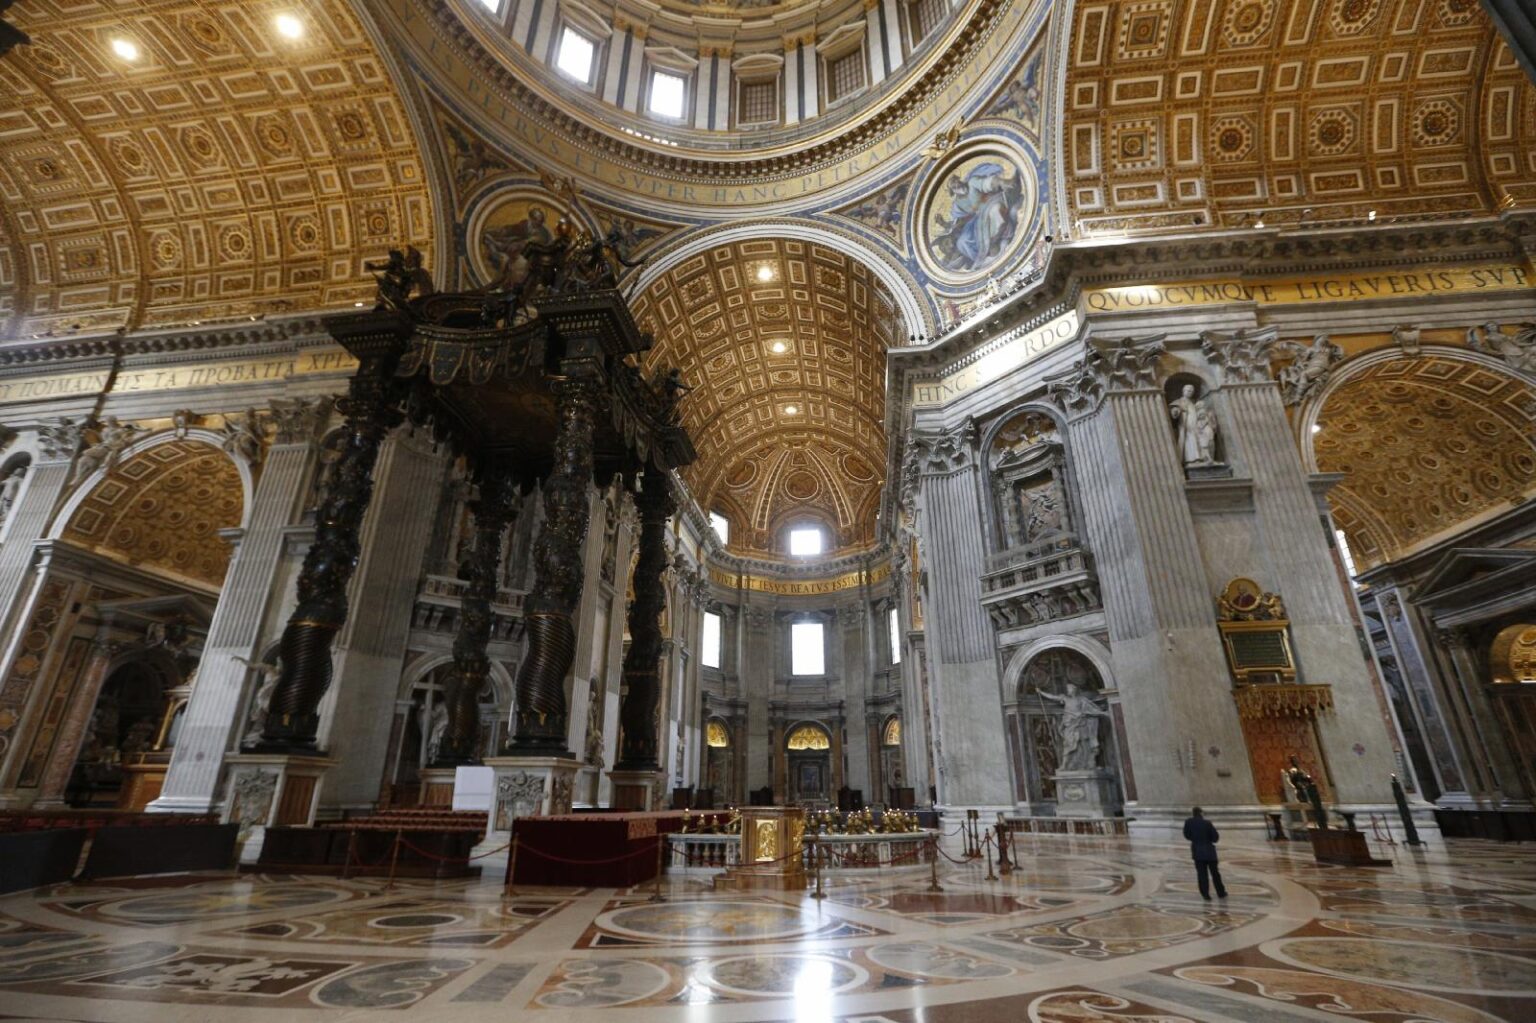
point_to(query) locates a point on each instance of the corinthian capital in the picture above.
(1128, 364)
(301, 419)
(1242, 356)
(936, 453)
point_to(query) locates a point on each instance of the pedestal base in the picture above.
(437, 786)
(527, 787)
(772, 856)
(1085, 794)
(638, 790)
(271, 790)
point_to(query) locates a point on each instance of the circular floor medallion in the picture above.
(711, 921)
(778, 975)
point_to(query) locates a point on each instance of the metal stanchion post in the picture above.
(988, 843)
(346, 870)
(661, 844)
(816, 858)
(510, 888)
(1004, 864)
(933, 865)
(1402, 811)
(394, 858)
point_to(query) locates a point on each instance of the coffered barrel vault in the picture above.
(173, 161)
(1194, 113)
(784, 341)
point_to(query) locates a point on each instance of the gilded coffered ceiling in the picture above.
(162, 510)
(1425, 445)
(784, 342)
(1220, 113)
(173, 161)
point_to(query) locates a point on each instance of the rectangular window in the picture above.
(759, 102)
(806, 653)
(710, 655)
(668, 94)
(926, 16)
(575, 55)
(491, 5)
(805, 541)
(895, 628)
(845, 75)
(1344, 552)
(721, 525)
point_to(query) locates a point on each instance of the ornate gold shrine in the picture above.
(1282, 700)
(772, 843)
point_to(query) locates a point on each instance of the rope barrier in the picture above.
(525, 847)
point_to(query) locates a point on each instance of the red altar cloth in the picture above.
(594, 850)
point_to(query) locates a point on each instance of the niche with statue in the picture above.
(1065, 732)
(1196, 428)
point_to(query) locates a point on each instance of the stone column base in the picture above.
(526, 787)
(1085, 794)
(638, 790)
(271, 790)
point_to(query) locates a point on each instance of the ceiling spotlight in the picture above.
(1371, 216)
(1260, 221)
(779, 347)
(125, 49)
(1317, 428)
(791, 410)
(765, 272)
(289, 26)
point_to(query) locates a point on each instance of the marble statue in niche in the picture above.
(1195, 425)
(10, 489)
(1079, 728)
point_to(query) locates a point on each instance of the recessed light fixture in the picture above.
(779, 347)
(1371, 216)
(1260, 222)
(125, 49)
(1317, 428)
(765, 272)
(289, 26)
(791, 410)
(357, 305)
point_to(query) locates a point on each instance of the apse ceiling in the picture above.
(1425, 445)
(176, 161)
(784, 342)
(1190, 113)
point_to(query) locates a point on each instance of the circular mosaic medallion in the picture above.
(711, 921)
(504, 225)
(1411, 964)
(979, 210)
(809, 976)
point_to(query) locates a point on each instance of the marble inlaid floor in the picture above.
(1086, 929)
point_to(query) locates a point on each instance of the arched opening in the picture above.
(719, 764)
(808, 750)
(1066, 748)
(421, 720)
(1427, 445)
(133, 724)
(1512, 686)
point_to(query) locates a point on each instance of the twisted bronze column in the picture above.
(540, 719)
(471, 667)
(371, 408)
(640, 736)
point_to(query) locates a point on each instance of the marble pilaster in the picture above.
(371, 645)
(214, 710)
(965, 678)
(1167, 657)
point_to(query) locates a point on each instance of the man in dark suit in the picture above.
(1202, 837)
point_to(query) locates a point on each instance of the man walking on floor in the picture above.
(1202, 837)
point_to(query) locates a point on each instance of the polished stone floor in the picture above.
(1087, 929)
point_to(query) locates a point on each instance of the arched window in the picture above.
(891, 736)
(716, 735)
